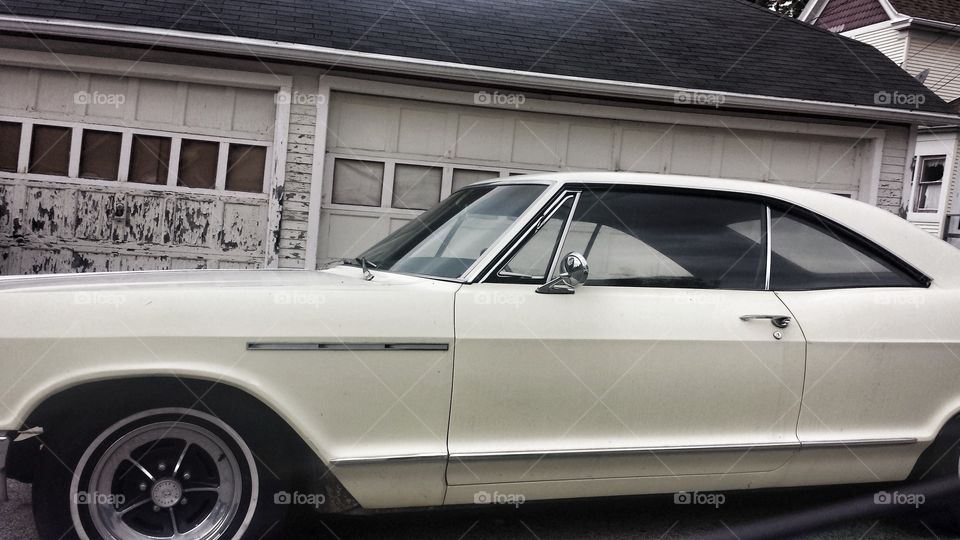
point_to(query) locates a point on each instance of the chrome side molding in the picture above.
(298, 346)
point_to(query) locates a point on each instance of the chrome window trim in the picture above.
(766, 282)
(563, 236)
(544, 217)
(5, 439)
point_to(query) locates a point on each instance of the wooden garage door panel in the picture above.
(95, 216)
(645, 149)
(56, 90)
(692, 151)
(48, 211)
(351, 234)
(479, 137)
(8, 210)
(17, 91)
(422, 132)
(743, 157)
(363, 126)
(536, 143)
(793, 161)
(242, 227)
(191, 222)
(590, 147)
(145, 221)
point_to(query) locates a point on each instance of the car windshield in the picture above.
(446, 240)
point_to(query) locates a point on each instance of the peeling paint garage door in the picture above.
(104, 173)
(387, 159)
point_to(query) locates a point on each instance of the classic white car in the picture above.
(726, 335)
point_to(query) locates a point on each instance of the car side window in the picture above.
(531, 262)
(811, 253)
(637, 238)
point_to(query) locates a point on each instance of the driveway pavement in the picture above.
(613, 519)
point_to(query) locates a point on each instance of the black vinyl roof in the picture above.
(714, 45)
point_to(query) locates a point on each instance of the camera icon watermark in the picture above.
(499, 99)
(896, 97)
(299, 298)
(499, 299)
(299, 98)
(99, 98)
(896, 498)
(715, 500)
(707, 99)
(315, 500)
(97, 498)
(100, 298)
(512, 499)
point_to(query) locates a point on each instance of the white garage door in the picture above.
(118, 173)
(387, 159)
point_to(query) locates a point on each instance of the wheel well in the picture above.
(946, 439)
(72, 404)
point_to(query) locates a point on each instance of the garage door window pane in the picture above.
(357, 182)
(198, 164)
(9, 146)
(809, 253)
(465, 177)
(100, 154)
(638, 239)
(416, 187)
(50, 150)
(149, 159)
(245, 166)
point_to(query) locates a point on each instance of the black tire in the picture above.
(230, 496)
(937, 475)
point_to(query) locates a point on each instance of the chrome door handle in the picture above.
(780, 321)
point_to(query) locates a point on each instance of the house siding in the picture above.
(299, 174)
(891, 42)
(938, 53)
(892, 167)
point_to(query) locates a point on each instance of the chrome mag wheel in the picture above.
(164, 477)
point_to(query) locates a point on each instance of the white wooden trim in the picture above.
(870, 184)
(173, 170)
(126, 148)
(148, 70)
(318, 178)
(240, 196)
(26, 139)
(281, 133)
(220, 183)
(76, 143)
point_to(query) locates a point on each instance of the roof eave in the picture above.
(926, 23)
(311, 54)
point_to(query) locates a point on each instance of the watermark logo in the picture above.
(715, 500)
(512, 499)
(299, 98)
(898, 299)
(897, 98)
(315, 500)
(299, 298)
(708, 99)
(499, 299)
(99, 98)
(905, 499)
(500, 99)
(99, 298)
(83, 497)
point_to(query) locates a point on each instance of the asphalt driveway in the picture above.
(633, 518)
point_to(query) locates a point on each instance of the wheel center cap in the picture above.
(166, 493)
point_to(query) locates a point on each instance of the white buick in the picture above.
(543, 337)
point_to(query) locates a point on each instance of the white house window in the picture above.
(100, 154)
(50, 150)
(9, 145)
(929, 184)
(149, 159)
(245, 166)
(357, 182)
(198, 164)
(416, 187)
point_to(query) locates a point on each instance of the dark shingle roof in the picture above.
(947, 11)
(718, 45)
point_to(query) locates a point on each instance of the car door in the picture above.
(662, 364)
(882, 360)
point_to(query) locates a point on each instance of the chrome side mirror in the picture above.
(573, 273)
